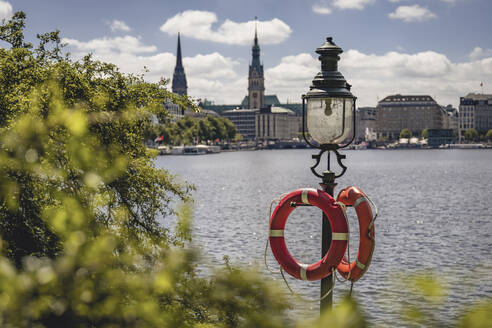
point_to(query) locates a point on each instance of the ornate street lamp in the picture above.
(328, 113)
(330, 104)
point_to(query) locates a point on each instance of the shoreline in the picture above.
(228, 150)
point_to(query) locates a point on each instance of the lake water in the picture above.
(434, 215)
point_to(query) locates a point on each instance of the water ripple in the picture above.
(434, 215)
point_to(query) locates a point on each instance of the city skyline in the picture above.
(438, 47)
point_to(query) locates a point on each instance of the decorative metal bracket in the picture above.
(340, 157)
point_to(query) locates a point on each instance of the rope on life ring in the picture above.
(339, 237)
(305, 299)
(353, 196)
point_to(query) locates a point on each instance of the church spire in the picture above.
(256, 81)
(178, 53)
(255, 62)
(179, 85)
(256, 31)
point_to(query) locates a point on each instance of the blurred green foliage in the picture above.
(75, 129)
(80, 200)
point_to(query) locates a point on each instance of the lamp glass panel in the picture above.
(328, 122)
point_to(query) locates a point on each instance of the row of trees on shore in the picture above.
(192, 130)
(82, 204)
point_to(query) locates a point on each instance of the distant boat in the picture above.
(164, 150)
(463, 146)
(177, 150)
(209, 149)
(195, 150)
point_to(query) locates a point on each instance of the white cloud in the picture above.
(117, 25)
(125, 44)
(198, 24)
(352, 4)
(210, 76)
(447, 1)
(375, 76)
(413, 13)
(321, 8)
(5, 10)
(212, 66)
(224, 80)
(292, 76)
(478, 53)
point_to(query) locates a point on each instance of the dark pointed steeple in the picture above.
(255, 63)
(179, 78)
(256, 81)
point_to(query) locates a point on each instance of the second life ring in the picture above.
(352, 196)
(339, 237)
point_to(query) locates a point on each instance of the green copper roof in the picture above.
(269, 100)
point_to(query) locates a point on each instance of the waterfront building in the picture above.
(414, 112)
(244, 120)
(475, 112)
(201, 114)
(179, 85)
(175, 112)
(277, 123)
(219, 109)
(451, 119)
(365, 121)
(256, 80)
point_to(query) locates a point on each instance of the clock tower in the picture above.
(256, 81)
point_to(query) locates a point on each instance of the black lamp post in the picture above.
(328, 113)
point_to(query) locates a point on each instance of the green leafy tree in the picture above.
(405, 133)
(238, 137)
(231, 129)
(488, 135)
(13, 31)
(425, 133)
(34, 86)
(471, 134)
(220, 130)
(205, 130)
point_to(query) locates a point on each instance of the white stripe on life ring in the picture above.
(360, 265)
(304, 194)
(339, 236)
(359, 201)
(276, 233)
(303, 271)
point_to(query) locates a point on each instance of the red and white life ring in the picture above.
(352, 196)
(339, 236)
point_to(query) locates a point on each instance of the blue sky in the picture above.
(438, 47)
